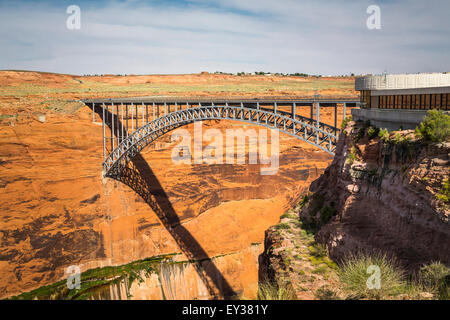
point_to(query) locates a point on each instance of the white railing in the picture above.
(403, 81)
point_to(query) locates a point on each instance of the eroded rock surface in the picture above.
(57, 211)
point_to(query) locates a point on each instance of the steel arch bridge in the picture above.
(126, 143)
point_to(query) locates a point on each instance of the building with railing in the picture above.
(411, 95)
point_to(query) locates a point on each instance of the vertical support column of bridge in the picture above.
(165, 108)
(345, 106)
(117, 124)
(126, 115)
(103, 124)
(153, 108)
(121, 112)
(132, 120)
(143, 113)
(312, 111)
(146, 113)
(137, 116)
(293, 113)
(317, 121)
(176, 107)
(242, 111)
(257, 112)
(112, 126)
(93, 112)
(335, 118)
(317, 114)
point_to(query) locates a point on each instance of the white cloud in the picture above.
(227, 35)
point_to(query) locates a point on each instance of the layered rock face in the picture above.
(383, 196)
(56, 210)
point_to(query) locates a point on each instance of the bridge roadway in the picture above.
(152, 117)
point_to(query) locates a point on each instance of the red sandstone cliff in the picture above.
(375, 196)
(387, 198)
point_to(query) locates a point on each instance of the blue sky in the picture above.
(189, 36)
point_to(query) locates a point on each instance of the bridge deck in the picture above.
(219, 100)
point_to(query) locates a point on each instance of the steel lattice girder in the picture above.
(323, 136)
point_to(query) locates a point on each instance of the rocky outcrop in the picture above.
(386, 195)
(383, 195)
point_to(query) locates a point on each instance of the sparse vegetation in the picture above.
(94, 280)
(283, 226)
(353, 273)
(325, 293)
(352, 155)
(444, 194)
(345, 122)
(272, 291)
(372, 132)
(435, 127)
(384, 135)
(435, 277)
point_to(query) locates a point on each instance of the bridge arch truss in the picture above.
(126, 143)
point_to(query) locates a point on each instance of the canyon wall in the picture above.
(56, 210)
(385, 195)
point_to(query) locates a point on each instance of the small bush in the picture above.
(288, 215)
(283, 226)
(325, 293)
(444, 193)
(304, 201)
(318, 250)
(354, 274)
(435, 127)
(372, 132)
(352, 155)
(384, 135)
(272, 291)
(345, 122)
(320, 270)
(435, 277)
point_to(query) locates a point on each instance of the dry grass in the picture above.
(355, 271)
(272, 291)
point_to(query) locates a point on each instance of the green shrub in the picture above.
(345, 122)
(384, 135)
(304, 201)
(352, 155)
(435, 126)
(272, 291)
(317, 250)
(435, 278)
(288, 215)
(444, 193)
(325, 293)
(372, 132)
(322, 269)
(353, 273)
(283, 226)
